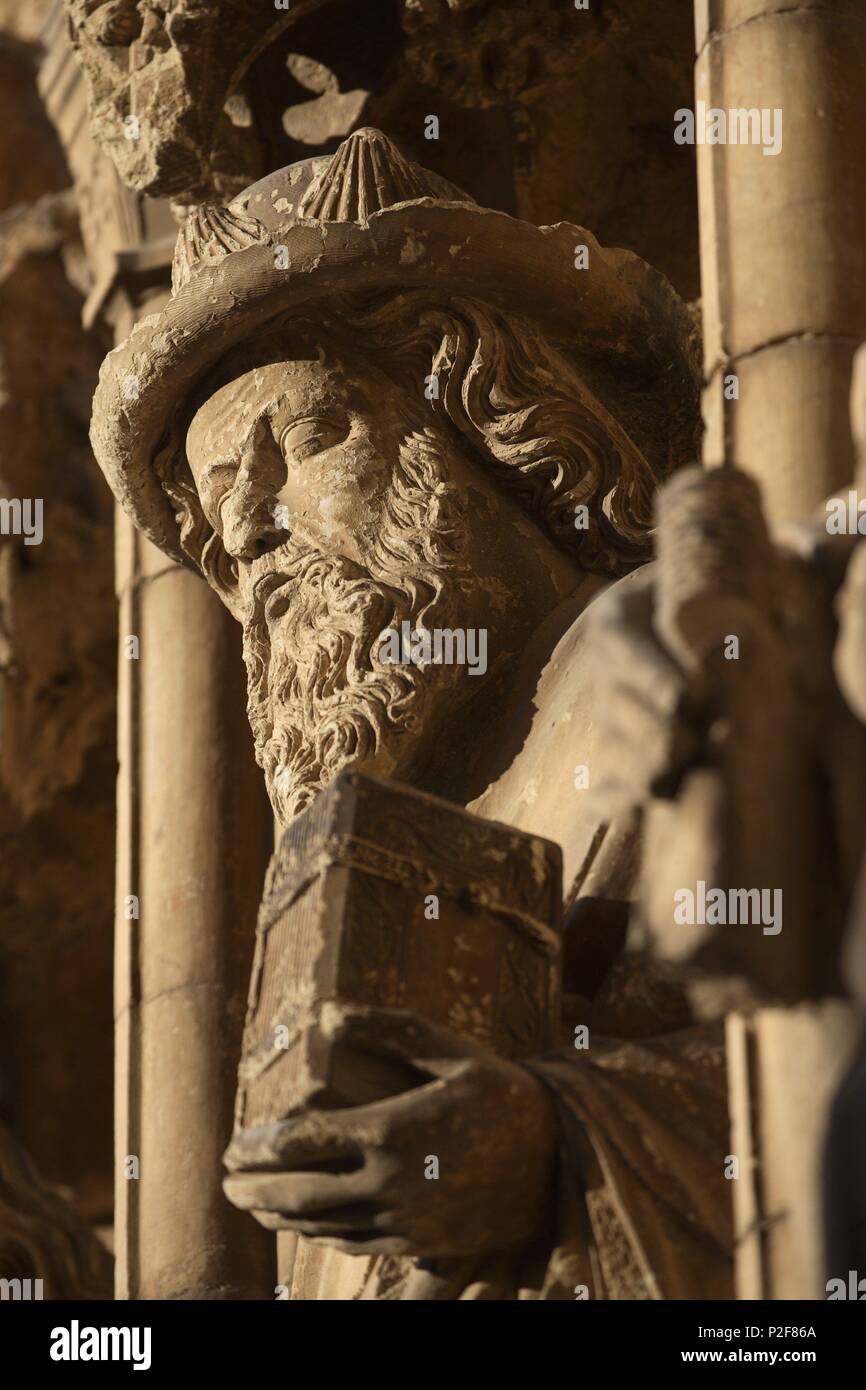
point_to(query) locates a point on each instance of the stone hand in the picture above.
(650, 731)
(659, 720)
(704, 752)
(459, 1164)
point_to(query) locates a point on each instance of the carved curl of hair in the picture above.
(514, 399)
(527, 417)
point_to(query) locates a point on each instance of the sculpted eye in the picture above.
(218, 479)
(215, 485)
(303, 438)
(219, 474)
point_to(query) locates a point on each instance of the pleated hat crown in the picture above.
(365, 175)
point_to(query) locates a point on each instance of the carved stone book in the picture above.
(381, 895)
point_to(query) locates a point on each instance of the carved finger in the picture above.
(628, 603)
(625, 638)
(633, 659)
(635, 723)
(399, 1033)
(316, 1137)
(336, 1235)
(312, 1195)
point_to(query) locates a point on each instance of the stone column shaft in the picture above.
(784, 294)
(193, 842)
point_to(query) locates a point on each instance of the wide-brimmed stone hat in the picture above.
(366, 219)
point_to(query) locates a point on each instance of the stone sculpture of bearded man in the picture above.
(372, 407)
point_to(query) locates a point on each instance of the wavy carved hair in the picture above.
(514, 400)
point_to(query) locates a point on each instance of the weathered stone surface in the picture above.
(69, 716)
(600, 320)
(24, 126)
(57, 765)
(783, 312)
(42, 1238)
(187, 793)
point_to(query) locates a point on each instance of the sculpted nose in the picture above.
(262, 466)
(250, 526)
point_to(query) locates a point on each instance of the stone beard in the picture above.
(318, 697)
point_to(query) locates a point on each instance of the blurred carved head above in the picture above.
(486, 52)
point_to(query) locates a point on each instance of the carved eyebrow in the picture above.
(325, 423)
(311, 419)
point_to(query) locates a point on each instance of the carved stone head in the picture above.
(372, 407)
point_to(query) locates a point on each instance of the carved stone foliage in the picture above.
(159, 79)
(193, 101)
